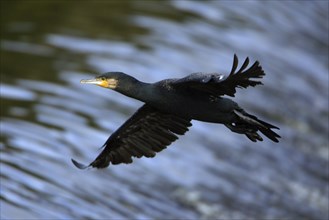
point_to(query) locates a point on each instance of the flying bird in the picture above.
(169, 107)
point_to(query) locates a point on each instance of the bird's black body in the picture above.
(171, 104)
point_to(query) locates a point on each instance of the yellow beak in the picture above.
(110, 83)
(98, 82)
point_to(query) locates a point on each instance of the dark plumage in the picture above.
(169, 107)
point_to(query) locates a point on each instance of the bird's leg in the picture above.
(235, 128)
(241, 129)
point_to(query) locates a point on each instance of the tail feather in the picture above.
(270, 134)
(249, 125)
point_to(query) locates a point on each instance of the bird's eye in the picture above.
(103, 78)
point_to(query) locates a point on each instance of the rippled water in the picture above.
(47, 116)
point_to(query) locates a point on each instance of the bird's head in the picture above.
(108, 80)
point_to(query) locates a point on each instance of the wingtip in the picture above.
(79, 165)
(235, 64)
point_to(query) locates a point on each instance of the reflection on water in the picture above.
(47, 117)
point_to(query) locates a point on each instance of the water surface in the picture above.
(47, 116)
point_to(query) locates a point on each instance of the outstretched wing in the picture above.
(148, 131)
(218, 85)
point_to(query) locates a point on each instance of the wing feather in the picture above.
(147, 132)
(244, 66)
(235, 64)
(218, 85)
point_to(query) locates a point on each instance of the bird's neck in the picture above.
(138, 90)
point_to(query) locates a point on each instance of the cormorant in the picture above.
(169, 107)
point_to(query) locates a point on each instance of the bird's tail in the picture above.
(249, 125)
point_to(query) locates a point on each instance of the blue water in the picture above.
(47, 116)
